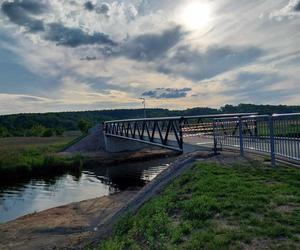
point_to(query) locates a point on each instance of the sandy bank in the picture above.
(71, 225)
(64, 226)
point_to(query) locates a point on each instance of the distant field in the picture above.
(23, 142)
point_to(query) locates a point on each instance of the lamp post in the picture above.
(144, 102)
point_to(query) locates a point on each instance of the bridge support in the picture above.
(115, 144)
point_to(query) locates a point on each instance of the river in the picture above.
(39, 194)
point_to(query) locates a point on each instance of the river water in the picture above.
(37, 194)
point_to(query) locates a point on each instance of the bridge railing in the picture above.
(278, 135)
(202, 125)
(164, 131)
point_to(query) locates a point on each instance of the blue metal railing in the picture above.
(277, 135)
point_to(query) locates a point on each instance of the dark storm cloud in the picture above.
(21, 12)
(73, 37)
(167, 93)
(89, 6)
(28, 6)
(197, 65)
(148, 47)
(100, 9)
(297, 6)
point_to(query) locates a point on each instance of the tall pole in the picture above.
(144, 102)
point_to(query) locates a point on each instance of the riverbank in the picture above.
(223, 203)
(61, 227)
(77, 223)
(22, 158)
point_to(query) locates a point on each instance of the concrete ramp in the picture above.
(94, 141)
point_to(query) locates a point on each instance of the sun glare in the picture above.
(196, 15)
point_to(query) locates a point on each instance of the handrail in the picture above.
(182, 117)
(146, 119)
(284, 115)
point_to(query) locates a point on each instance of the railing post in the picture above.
(105, 127)
(255, 127)
(241, 135)
(215, 138)
(272, 141)
(181, 124)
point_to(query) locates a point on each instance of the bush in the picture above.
(84, 125)
(48, 133)
(4, 132)
(59, 131)
(36, 130)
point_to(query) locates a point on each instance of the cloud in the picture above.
(297, 6)
(167, 93)
(89, 58)
(255, 87)
(21, 12)
(89, 6)
(74, 37)
(200, 65)
(287, 12)
(151, 46)
(103, 9)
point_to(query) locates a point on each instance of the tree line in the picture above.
(49, 124)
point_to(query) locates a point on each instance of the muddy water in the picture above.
(37, 195)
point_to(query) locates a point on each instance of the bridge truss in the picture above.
(166, 132)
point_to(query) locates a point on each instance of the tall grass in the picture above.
(33, 161)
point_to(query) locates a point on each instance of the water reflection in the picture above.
(36, 195)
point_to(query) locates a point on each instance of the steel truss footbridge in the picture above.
(277, 134)
(166, 132)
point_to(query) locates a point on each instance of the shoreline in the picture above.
(76, 225)
(70, 224)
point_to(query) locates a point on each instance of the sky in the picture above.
(64, 55)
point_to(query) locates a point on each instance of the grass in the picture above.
(241, 206)
(23, 158)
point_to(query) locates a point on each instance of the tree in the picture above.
(4, 132)
(84, 125)
(36, 130)
(48, 132)
(59, 131)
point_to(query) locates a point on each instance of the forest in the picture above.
(48, 124)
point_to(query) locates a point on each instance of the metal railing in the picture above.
(155, 131)
(167, 132)
(277, 135)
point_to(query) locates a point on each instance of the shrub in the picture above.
(59, 131)
(36, 130)
(47, 133)
(4, 132)
(84, 125)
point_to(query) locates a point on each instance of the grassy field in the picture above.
(239, 206)
(24, 157)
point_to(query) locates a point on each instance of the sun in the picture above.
(196, 15)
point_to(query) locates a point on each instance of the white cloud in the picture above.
(289, 11)
(117, 80)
